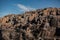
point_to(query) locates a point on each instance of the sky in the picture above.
(21, 6)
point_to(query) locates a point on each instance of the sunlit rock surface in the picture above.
(41, 24)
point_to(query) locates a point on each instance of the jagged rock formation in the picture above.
(41, 24)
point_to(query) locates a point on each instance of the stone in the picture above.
(39, 24)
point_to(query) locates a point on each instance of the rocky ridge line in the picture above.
(33, 25)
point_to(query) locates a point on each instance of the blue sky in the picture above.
(20, 6)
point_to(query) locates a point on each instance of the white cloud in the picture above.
(25, 8)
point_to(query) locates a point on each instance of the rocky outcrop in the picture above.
(41, 24)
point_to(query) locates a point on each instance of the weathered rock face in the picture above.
(34, 25)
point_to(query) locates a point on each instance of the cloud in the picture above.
(25, 8)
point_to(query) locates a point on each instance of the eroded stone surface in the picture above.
(33, 25)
